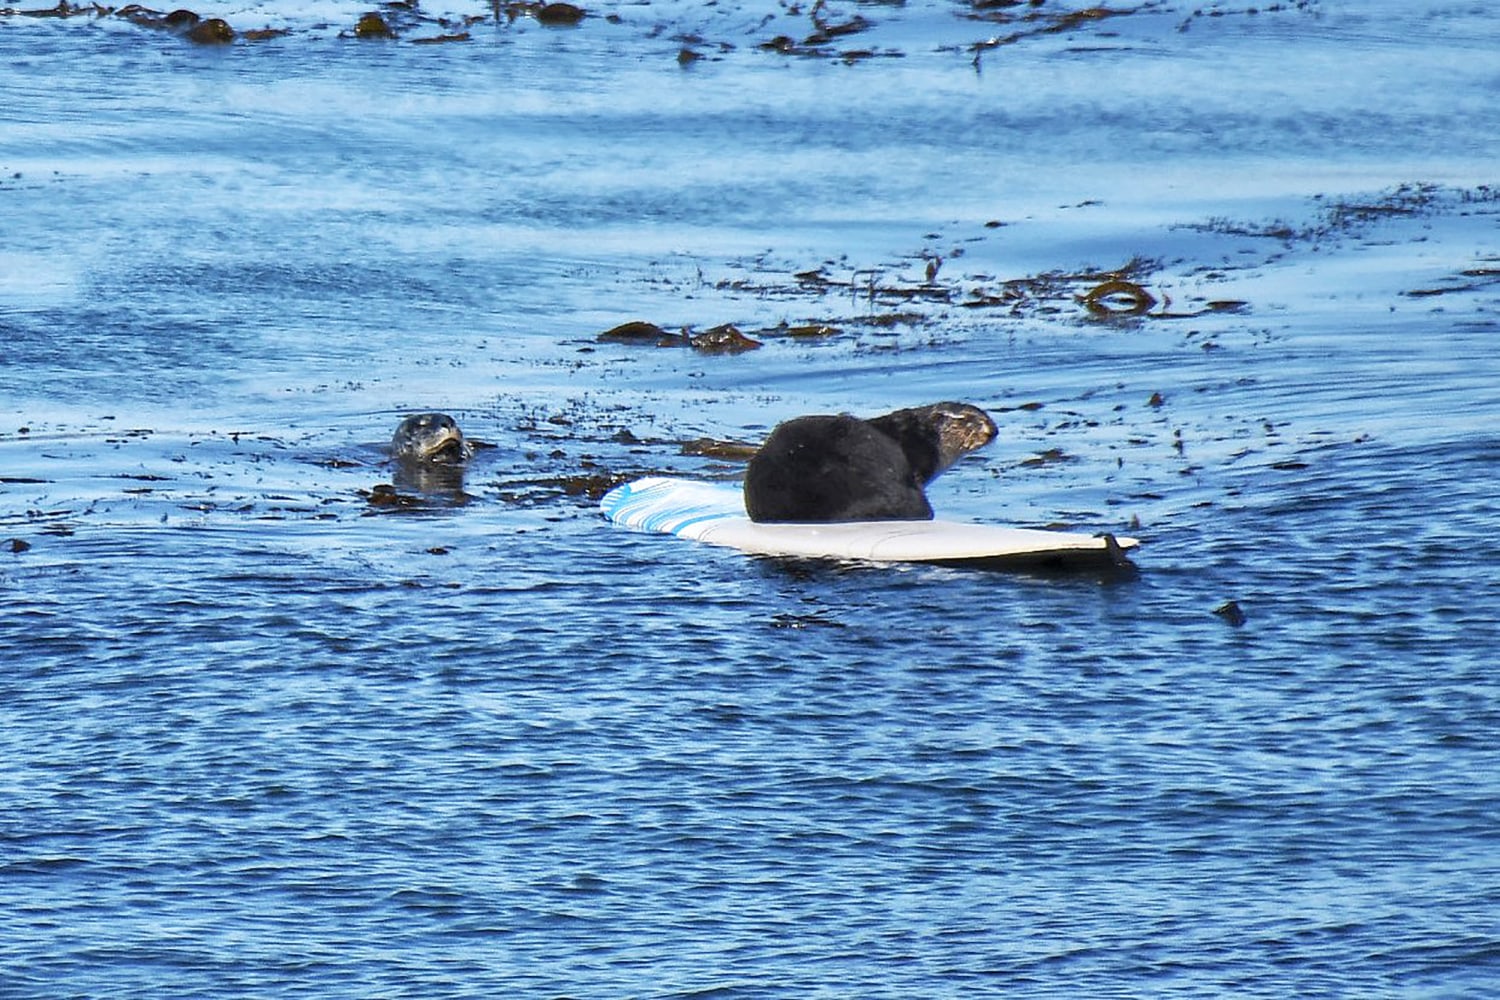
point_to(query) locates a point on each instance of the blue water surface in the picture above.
(265, 734)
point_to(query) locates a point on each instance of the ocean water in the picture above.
(263, 733)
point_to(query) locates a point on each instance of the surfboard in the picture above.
(714, 513)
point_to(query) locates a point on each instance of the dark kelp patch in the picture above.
(920, 287)
(920, 290)
(588, 484)
(182, 22)
(1348, 217)
(735, 451)
(1047, 457)
(1470, 279)
(389, 22)
(828, 29)
(187, 23)
(726, 338)
(641, 333)
(1118, 297)
(820, 31)
(1110, 294)
(1037, 21)
(1231, 613)
(1214, 10)
(212, 31)
(373, 25)
(385, 497)
(551, 14)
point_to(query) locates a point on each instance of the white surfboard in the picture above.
(715, 513)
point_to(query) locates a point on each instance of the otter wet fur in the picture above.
(822, 468)
(430, 437)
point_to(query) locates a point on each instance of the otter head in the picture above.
(961, 428)
(936, 436)
(430, 437)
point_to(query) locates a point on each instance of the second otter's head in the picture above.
(430, 437)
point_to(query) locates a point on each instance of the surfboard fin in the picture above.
(1116, 554)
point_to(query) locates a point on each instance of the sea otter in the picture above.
(430, 437)
(842, 468)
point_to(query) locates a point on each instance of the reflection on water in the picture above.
(279, 715)
(443, 479)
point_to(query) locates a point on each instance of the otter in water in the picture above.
(842, 468)
(429, 452)
(430, 437)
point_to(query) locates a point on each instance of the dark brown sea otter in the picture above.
(842, 468)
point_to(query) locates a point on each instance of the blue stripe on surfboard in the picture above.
(670, 505)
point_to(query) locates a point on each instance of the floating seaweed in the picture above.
(723, 339)
(373, 25)
(551, 14)
(1118, 297)
(715, 448)
(457, 36)
(642, 332)
(1037, 22)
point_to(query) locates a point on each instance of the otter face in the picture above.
(936, 436)
(430, 437)
(961, 428)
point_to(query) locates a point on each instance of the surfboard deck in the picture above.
(714, 513)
